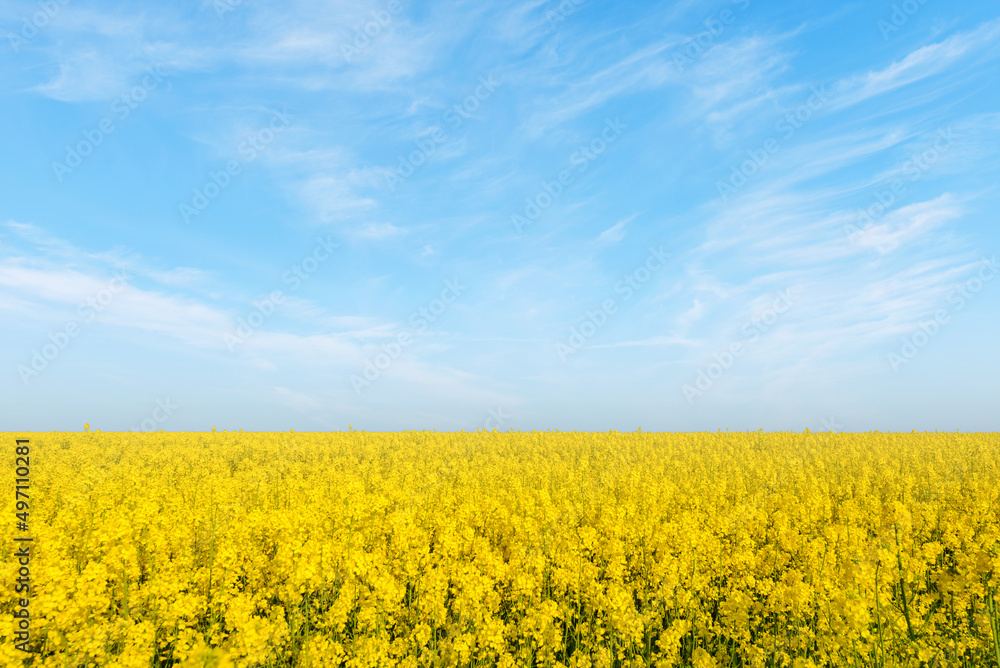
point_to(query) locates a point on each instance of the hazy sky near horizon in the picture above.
(579, 215)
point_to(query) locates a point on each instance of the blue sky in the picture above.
(586, 215)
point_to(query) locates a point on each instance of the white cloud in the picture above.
(302, 403)
(647, 67)
(908, 223)
(180, 276)
(333, 198)
(919, 64)
(616, 232)
(380, 230)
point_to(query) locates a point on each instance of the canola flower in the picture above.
(567, 550)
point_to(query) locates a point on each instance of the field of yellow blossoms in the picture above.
(508, 549)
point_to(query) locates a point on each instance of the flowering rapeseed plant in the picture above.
(510, 549)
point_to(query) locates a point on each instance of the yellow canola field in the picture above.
(508, 549)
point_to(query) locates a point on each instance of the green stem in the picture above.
(902, 586)
(995, 627)
(878, 618)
